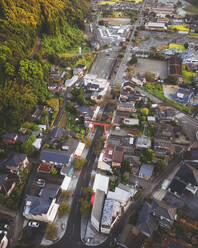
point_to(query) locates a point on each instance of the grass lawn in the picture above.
(187, 75)
(183, 27)
(178, 46)
(54, 103)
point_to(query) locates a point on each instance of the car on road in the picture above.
(33, 224)
(40, 182)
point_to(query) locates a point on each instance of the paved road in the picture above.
(71, 238)
(123, 66)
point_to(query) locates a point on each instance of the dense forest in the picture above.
(23, 80)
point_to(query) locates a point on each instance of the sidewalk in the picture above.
(61, 222)
(89, 235)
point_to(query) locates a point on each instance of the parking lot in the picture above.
(154, 66)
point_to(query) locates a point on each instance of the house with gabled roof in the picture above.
(146, 223)
(15, 162)
(186, 179)
(153, 215)
(9, 138)
(43, 207)
(55, 157)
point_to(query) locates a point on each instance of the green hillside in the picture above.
(22, 79)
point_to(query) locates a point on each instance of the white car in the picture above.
(40, 182)
(33, 224)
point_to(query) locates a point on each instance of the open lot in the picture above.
(154, 39)
(154, 66)
(117, 21)
(103, 64)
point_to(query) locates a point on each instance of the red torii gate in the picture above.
(98, 123)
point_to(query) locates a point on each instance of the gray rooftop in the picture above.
(98, 204)
(146, 170)
(54, 156)
(40, 204)
(107, 213)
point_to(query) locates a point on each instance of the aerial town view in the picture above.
(99, 123)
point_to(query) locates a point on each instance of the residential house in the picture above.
(146, 171)
(183, 95)
(165, 113)
(79, 70)
(37, 113)
(191, 155)
(101, 182)
(9, 138)
(55, 73)
(151, 216)
(126, 107)
(3, 241)
(165, 214)
(102, 165)
(164, 131)
(129, 87)
(70, 82)
(7, 184)
(45, 167)
(151, 119)
(162, 146)
(55, 157)
(122, 194)
(131, 121)
(117, 158)
(15, 162)
(43, 207)
(185, 180)
(143, 141)
(146, 222)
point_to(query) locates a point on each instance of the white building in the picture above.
(131, 121)
(155, 26)
(101, 182)
(79, 150)
(70, 82)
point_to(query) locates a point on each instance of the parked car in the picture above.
(40, 182)
(33, 224)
